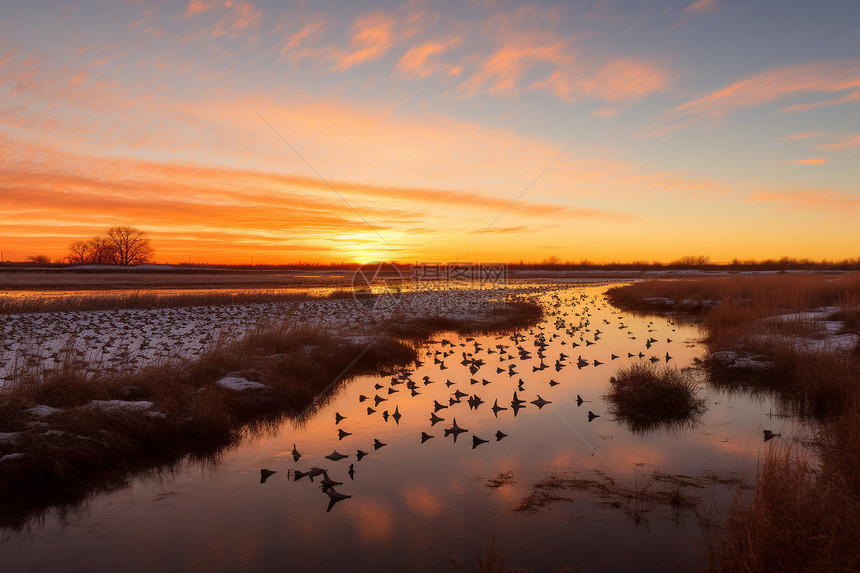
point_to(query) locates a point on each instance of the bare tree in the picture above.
(130, 245)
(79, 253)
(39, 259)
(101, 251)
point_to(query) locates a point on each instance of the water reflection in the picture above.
(527, 406)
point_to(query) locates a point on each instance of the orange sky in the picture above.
(431, 131)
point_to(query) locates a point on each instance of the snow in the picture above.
(42, 410)
(10, 457)
(121, 405)
(128, 339)
(238, 384)
(733, 359)
(6, 436)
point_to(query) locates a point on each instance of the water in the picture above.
(427, 507)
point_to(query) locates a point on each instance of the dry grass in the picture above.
(766, 294)
(301, 369)
(189, 411)
(645, 397)
(142, 300)
(805, 512)
(800, 518)
(500, 317)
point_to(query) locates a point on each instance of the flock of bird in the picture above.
(128, 339)
(470, 367)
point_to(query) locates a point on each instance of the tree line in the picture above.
(118, 246)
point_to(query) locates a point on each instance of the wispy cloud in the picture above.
(372, 36)
(844, 141)
(808, 161)
(421, 61)
(823, 200)
(702, 7)
(759, 90)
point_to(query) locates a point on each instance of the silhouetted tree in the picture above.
(130, 245)
(39, 259)
(101, 251)
(79, 253)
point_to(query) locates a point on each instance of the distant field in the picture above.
(77, 280)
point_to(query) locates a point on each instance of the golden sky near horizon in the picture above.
(427, 131)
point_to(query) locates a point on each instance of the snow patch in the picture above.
(41, 410)
(238, 384)
(121, 405)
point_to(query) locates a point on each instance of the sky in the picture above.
(237, 131)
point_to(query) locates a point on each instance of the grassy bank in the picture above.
(59, 428)
(775, 334)
(644, 396)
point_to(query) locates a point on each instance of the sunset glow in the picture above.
(274, 132)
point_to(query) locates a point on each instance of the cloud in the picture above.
(297, 46)
(702, 7)
(762, 89)
(420, 60)
(198, 7)
(618, 81)
(844, 141)
(837, 140)
(823, 200)
(372, 36)
(849, 98)
(808, 161)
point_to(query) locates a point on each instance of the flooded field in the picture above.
(490, 440)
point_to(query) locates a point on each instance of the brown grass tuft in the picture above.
(645, 397)
(800, 519)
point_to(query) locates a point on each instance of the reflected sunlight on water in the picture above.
(426, 506)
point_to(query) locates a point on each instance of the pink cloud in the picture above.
(844, 141)
(761, 89)
(372, 36)
(808, 161)
(814, 199)
(420, 60)
(702, 7)
(198, 7)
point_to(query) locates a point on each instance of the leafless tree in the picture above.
(101, 251)
(79, 253)
(130, 245)
(39, 259)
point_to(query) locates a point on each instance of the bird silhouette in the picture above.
(266, 474)
(334, 497)
(499, 435)
(328, 483)
(351, 471)
(769, 435)
(540, 402)
(592, 415)
(377, 444)
(455, 430)
(476, 441)
(437, 406)
(497, 408)
(434, 419)
(296, 454)
(425, 436)
(338, 418)
(396, 415)
(359, 454)
(341, 434)
(336, 456)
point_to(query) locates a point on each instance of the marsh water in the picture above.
(438, 504)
